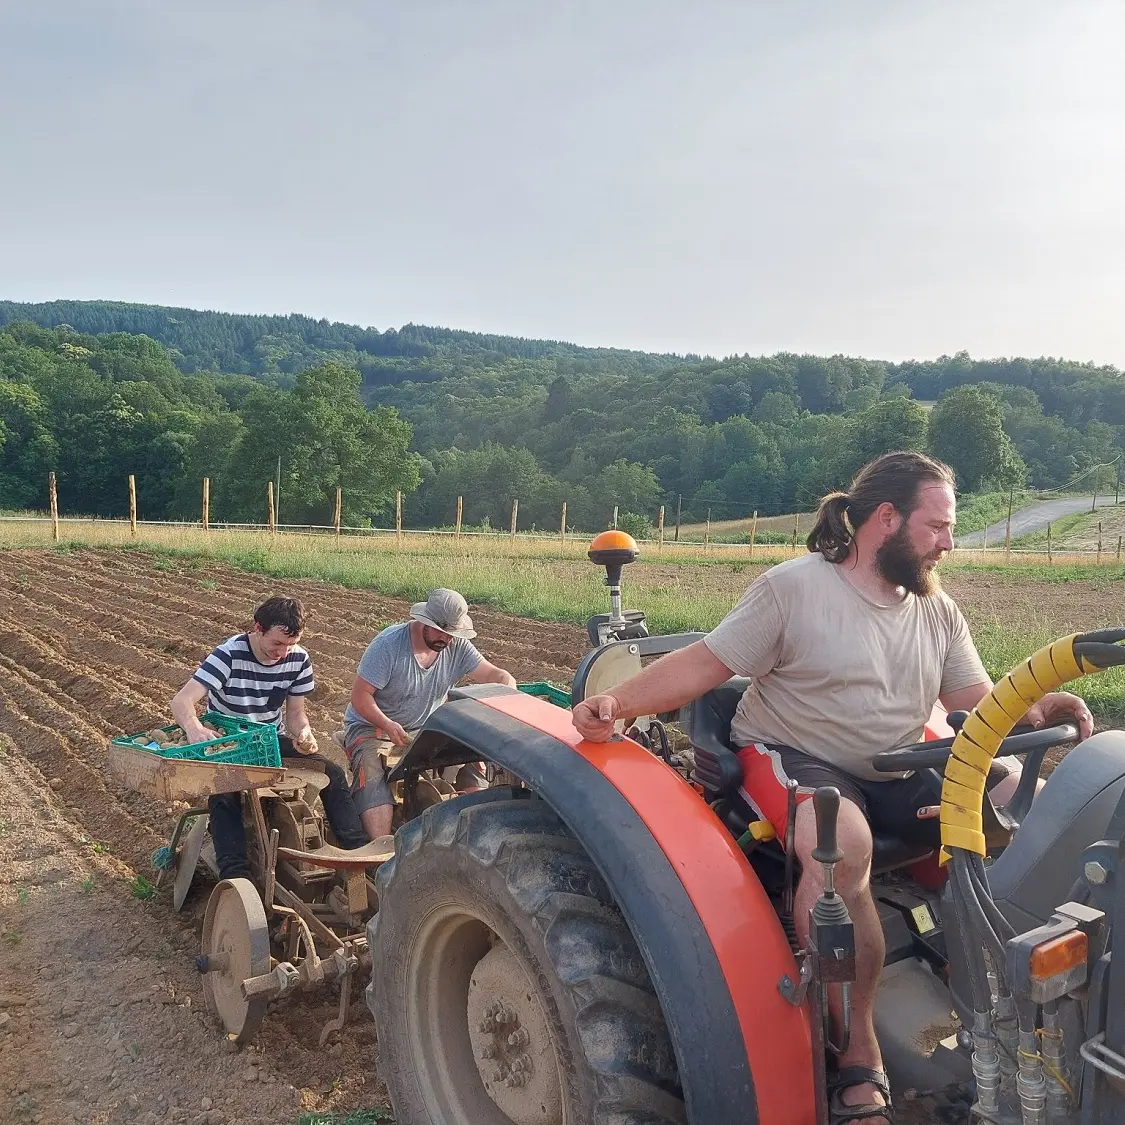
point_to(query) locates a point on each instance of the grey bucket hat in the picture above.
(445, 610)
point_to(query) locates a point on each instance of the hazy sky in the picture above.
(890, 179)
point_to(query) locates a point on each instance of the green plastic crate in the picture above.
(549, 692)
(256, 743)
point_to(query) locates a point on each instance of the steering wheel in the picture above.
(1031, 742)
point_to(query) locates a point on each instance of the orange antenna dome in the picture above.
(614, 540)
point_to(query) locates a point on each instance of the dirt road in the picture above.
(1034, 517)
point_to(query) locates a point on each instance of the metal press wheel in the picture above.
(188, 859)
(236, 946)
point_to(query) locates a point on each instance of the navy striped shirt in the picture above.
(239, 684)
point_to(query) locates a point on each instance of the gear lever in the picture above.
(831, 933)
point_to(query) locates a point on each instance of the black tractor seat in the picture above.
(707, 722)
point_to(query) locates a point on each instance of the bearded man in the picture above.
(403, 677)
(848, 648)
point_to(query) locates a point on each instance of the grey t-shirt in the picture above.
(404, 691)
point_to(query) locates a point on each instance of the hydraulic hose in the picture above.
(978, 922)
(978, 740)
(979, 879)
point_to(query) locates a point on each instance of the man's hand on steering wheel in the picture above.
(1058, 707)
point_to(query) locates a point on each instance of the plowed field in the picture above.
(105, 1014)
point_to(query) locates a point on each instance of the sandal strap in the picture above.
(844, 1079)
(849, 1076)
(847, 1113)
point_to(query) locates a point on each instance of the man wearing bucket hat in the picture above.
(403, 677)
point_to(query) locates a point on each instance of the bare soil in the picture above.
(105, 1020)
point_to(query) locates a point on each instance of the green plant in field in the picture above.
(87, 884)
(162, 564)
(22, 896)
(355, 1117)
(23, 581)
(141, 889)
(208, 583)
(25, 1106)
(98, 848)
(12, 937)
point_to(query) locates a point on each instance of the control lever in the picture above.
(831, 932)
(790, 833)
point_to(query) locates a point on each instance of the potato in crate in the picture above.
(240, 742)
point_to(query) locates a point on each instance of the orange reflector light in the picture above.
(1059, 955)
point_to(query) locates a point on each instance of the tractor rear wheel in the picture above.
(506, 986)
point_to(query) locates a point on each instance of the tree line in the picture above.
(178, 394)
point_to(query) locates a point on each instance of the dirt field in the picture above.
(101, 1012)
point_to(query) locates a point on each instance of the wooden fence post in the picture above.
(272, 509)
(1119, 548)
(515, 514)
(1008, 527)
(132, 506)
(54, 506)
(679, 501)
(753, 531)
(339, 511)
(1099, 541)
(562, 523)
(398, 515)
(707, 531)
(206, 503)
(1049, 560)
(614, 524)
(796, 528)
(460, 505)
(660, 526)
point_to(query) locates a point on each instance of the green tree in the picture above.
(966, 431)
(326, 439)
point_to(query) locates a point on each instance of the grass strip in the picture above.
(678, 596)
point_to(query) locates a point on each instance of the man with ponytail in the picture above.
(847, 648)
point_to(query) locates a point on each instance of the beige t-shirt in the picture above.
(835, 674)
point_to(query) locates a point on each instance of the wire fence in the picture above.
(770, 545)
(29, 529)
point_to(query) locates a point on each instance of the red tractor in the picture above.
(607, 940)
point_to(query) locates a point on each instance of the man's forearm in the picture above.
(670, 682)
(370, 711)
(496, 675)
(296, 721)
(184, 712)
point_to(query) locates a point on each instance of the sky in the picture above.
(884, 178)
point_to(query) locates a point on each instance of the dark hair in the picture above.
(894, 479)
(286, 612)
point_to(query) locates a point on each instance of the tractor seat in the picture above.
(707, 720)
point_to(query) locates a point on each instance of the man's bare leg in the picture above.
(853, 883)
(377, 821)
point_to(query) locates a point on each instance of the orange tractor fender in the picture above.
(711, 940)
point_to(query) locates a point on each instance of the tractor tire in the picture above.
(506, 986)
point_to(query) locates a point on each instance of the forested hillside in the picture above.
(495, 417)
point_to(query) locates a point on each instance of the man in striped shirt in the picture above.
(264, 676)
